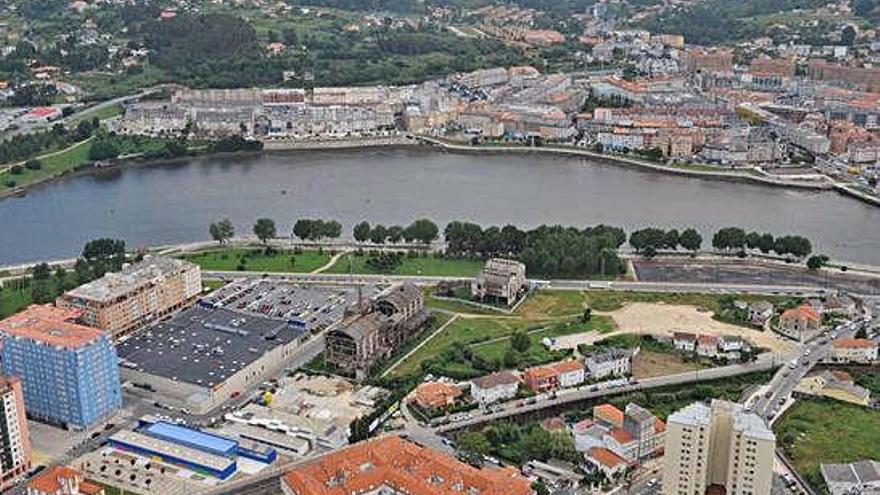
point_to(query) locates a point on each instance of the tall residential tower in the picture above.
(717, 448)
(15, 444)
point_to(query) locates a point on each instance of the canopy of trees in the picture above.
(313, 230)
(552, 251)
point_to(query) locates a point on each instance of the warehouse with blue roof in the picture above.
(206, 453)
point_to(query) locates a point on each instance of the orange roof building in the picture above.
(401, 466)
(50, 325)
(608, 414)
(62, 480)
(541, 379)
(797, 320)
(436, 395)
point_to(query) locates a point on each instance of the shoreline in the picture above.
(285, 147)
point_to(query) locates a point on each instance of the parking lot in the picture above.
(307, 306)
(752, 273)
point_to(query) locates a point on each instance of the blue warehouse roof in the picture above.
(196, 439)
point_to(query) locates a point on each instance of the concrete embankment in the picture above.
(733, 176)
(328, 144)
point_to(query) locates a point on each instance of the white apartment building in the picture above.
(614, 362)
(717, 445)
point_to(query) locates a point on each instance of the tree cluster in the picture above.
(222, 231)
(649, 240)
(314, 230)
(552, 251)
(422, 230)
(737, 239)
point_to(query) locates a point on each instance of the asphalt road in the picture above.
(513, 408)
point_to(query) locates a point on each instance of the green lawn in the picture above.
(428, 266)
(464, 331)
(816, 431)
(455, 306)
(74, 156)
(52, 165)
(101, 113)
(12, 301)
(537, 353)
(230, 259)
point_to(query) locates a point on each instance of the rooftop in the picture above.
(404, 466)
(194, 438)
(204, 346)
(853, 343)
(50, 325)
(171, 449)
(114, 285)
(495, 379)
(609, 412)
(606, 457)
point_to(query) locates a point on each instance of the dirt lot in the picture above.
(664, 319)
(648, 364)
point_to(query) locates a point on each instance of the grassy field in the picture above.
(537, 353)
(816, 431)
(230, 259)
(55, 164)
(101, 113)
(465, 331)
(573, 302)
(428, 266)
(13, 301)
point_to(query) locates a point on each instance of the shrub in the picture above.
(33, 164)
(16, 170)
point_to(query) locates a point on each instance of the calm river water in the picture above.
(175, 203)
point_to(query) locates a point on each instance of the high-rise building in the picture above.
(15, 444)
(122, 302)
(69, 372)
(717, 448)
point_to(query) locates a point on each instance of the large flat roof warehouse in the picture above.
(204, 346)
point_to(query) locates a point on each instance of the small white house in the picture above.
(498, 386)
(683, 341)
(571, 373)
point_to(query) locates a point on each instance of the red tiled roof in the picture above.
(50, 325)
(47, 481)
(804, 311)
(621, 435)
(567, 366)
(404, 466)
(608, 411)
(684, 336)
(606, 457)
(853, 343)
(436, 394)
(707, 339)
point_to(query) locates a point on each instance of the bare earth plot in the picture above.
(664, 320)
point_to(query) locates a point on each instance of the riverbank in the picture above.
(620, 160)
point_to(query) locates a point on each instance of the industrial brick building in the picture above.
(69, 371)
(122, 302)
(381, 325)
